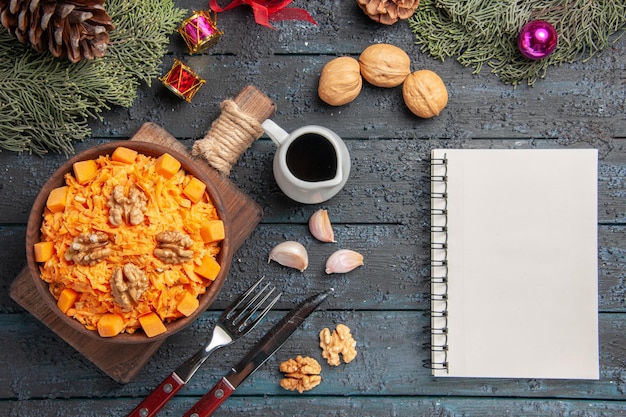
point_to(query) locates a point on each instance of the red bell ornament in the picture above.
(537, 39)
(182, 81)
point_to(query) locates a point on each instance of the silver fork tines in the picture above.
(235, 322)
(240, 321)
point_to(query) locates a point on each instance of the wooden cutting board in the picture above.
(123, 362)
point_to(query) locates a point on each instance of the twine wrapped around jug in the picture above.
(235, 130)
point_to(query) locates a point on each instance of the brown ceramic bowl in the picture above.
(33, 235)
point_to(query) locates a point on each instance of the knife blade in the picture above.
(257, 356)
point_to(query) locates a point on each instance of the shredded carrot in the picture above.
(86, 211)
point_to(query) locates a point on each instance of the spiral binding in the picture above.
(439, 265)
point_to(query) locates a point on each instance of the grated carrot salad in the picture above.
(86, 211)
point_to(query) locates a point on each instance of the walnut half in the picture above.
(126, 209)
(88, 248)
(173, 247)
(340, 341)
(301, 374)
(128, 284)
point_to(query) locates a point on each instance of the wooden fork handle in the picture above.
(159, 397)
(212, 400)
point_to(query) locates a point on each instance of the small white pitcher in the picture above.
(311, 164)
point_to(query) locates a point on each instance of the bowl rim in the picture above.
(57, 179)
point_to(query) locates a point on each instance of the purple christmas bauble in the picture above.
(537, 39)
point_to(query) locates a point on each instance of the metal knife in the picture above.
(260, 353)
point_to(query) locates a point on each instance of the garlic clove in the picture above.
(320, 226)
(342, 261)
(291, 254)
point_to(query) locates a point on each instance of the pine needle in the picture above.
(484, 32)
(46, 103)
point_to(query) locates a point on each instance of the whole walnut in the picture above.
(424, 93)
(384, 65)
(340, 81)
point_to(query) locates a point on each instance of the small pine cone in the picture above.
(75, 29)
(388, 12)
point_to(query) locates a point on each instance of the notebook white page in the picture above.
(522, 288)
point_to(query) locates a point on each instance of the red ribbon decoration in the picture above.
(267, 10)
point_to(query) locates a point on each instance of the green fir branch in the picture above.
(484, 32)
(46, 103)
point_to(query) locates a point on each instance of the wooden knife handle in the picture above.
(159, 397)
(212, 400)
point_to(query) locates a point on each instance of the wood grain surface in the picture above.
(383, 212)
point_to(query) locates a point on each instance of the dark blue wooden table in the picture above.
(383, 212)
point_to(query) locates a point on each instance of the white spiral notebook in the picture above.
(514, 270)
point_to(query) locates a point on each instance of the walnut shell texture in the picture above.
(340, 81)
(424, 93)
(384, 65)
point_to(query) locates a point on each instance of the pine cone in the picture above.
(388, 12)
(75, 29)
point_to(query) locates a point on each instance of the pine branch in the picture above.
(45, 103)
(484, 32)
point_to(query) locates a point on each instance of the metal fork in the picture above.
(236, 321)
